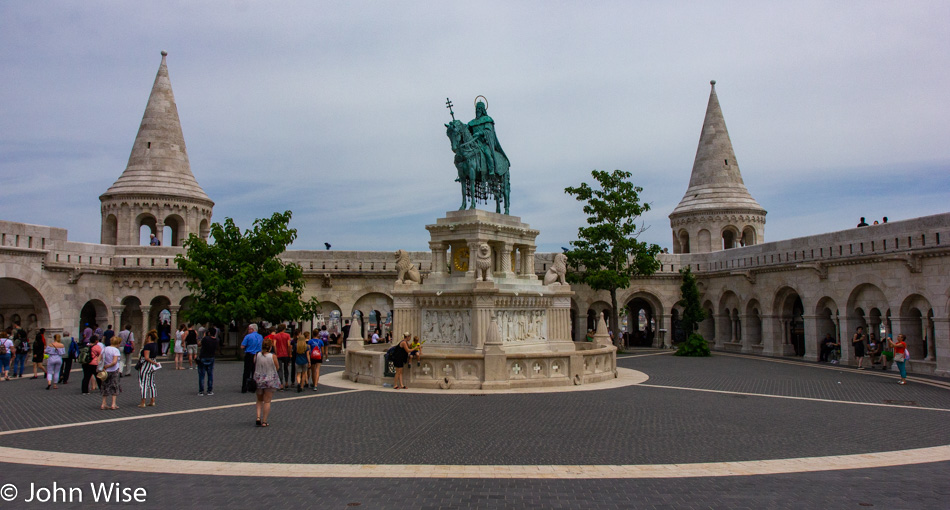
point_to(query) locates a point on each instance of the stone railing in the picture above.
(898, 240)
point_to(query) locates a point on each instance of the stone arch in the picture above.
(916, 324)
(683, 241)
(378, 304)
(157, 305)
(753, 323)
(827, 320)
(703, 241)
(132, 316)
(727, 319)
(331, 316)
(204, 230)
(20, 299)
(110, 230)
(145, 220)
(864, 298)
(730, 237)
(50, 314)
(788, 308)
(652, 316)
(594, 311)
(748, 236)
(94, 313)
(178, 229)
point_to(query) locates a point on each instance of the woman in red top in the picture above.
(900, 355)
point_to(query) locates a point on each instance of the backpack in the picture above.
(391, 353)
(73, 348)
(3, 346)
(22, 346)
(128, 347)
(85, 354)
(302, 347)
(315, 353)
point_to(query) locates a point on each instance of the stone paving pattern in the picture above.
(632, 425)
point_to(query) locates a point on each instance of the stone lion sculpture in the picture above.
(557, 270)
(483, 263)
(406, 269)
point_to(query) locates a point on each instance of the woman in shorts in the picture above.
(265, 375)
(399, 358)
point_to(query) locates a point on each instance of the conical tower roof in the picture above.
(715, 183)
(159, 163)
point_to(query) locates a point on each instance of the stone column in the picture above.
(160, 231)
(928, 342)
(746, 321)
(140, 339)
(812, 337)
(771, 342)
(117, 317)
(942, 346)
(173, 309)
(506, 271)
(529, 263)
(665, 332)
(438, 259)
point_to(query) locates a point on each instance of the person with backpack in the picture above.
(317, 345)
(6, 353)
(207, 346)
(21, 347)
(128, 349)
(301, 359)
(89, 359)
(72, 352)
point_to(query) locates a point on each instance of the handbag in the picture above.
(899, 357)
(102, 375)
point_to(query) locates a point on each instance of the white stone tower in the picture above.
(717, 212)
(157, 188)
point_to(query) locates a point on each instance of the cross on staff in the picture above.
(448, 104)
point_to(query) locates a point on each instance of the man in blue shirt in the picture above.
(251, 345)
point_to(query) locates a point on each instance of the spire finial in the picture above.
(164, 53)
(711, 82)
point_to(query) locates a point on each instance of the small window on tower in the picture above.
(727, 162)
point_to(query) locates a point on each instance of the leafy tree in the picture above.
(241, 277)
(607, 253)
(693, 314)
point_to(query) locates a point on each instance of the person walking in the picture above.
(72, 352)
(95, 351)
(251, 345)
(54, 362)
(900, 355)
(111, 358)
(265, 375)
(6, 354)
(207, 346)
(317, 347)
(301, 359)
(282, 351)
(128, 350)
(39, 351)
(149, 360)
(399, 358)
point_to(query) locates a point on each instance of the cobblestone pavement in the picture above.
(737, 417)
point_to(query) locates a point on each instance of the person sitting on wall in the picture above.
(415, 350)
(828, 345)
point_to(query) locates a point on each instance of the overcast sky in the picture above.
(836, 110)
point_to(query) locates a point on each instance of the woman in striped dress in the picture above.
(150, 364)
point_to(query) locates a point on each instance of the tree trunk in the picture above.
(615, 319)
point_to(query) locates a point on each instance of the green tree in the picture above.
(241, 277)
(607, 253)
(693, 314)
